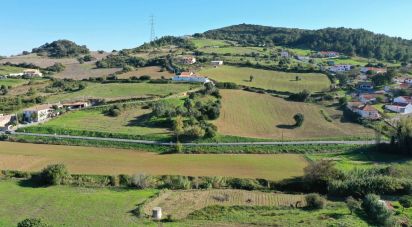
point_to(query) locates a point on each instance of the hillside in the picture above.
(349, 41)
(61, 48)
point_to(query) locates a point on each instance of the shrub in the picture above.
(144, 77)
(176, 182)
(32, 222)
(352, 204)
(141, 181)
(246, 184)
(406, 202)
(319, 174)
(302, 96)
(376, 209)
(54, 174)
(315, 201)
(299, 118)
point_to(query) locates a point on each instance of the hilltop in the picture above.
(349, 41)
(61, 48)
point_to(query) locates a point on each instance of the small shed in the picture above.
(157, 213)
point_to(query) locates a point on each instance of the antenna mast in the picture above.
(152, 29)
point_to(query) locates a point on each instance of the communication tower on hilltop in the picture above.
(152, 29)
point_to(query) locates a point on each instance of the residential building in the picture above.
(403, 100)
(189, 60)
(15, 75)
(400, 108)
(5, 120)
(76, 105)
(373, 69)
(284, 54)
(364, 110)
(366, 86)
(216, 63)
(32, 73)
(302, 58)
(340, 68)
(367, 98)
(190, 77)
(38, 113)
(328, 54)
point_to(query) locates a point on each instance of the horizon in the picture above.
(105, 25)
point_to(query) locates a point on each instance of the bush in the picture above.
(141, 181)
(299, 118)
(319, 174)
(302, 96)
(352, 204)
(54, 174)
(376, 209)
(32, 222)
(315, 201)
(406, 202)
(246, 184)
(144, 77)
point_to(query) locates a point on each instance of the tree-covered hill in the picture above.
(349, 41)
(61, 48)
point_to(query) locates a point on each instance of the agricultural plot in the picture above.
(181, 203)
(79, 71)
(131, 121)
(200, 43)
(231, 50)
(88, 160)
(6, 69)
(12, 82)
(267, 79)
(69, 206)
(155, 72)
(255, 115)
(113, 91)
(40, 61)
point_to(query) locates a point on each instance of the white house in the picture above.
(190, 77)
(284, 54)
(76, 105)
(216, 63)
(367, 98)
(400, 108)
(15, 75)
(32, 73)
(38, 113)
(328, 54)
(303, 58)
(188, 60)
(5, 120)
(408, 80)
(340, 68)
(364, 110)
(403, 100)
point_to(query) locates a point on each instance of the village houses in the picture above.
(190, 77)
(365, 111)
(340, 68)
(38, 113)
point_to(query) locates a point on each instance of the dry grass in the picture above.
(78, 71)
(21, 90)
(88, 160)
(38, 60)
(255, 115)
(181, 203)
(153, 71)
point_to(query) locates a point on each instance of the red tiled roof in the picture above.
(368, 108)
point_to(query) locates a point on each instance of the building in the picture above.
(403, 100)
(38, 113)
(373, 69)
(400, 108)
(340, 68)
(364, 110)
(15, 75)
(366, 86)
(5, 120)
(367, 98)
(284, 54)
(188, 60)
(302, 58)
(328, 54)
(76, 105)
(190, 77)
(32, 73)
(216, 63)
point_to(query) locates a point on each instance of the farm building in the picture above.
(190, 77)
(76, 105)
(5, 121)
(364, 110)
(403, 100)
(284, 54)
(188, 60)
(32, 73)
(38, 113)
(340, 68)
(400, 108)
(216, 63)
(328, 54)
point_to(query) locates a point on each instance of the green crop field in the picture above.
(69, 206)
(231, 50)
(6, 69)
(131, 121)
(12, 82)
(267, 79)
(88, 160)
(249, 114)
(200, 43)
(122, 90)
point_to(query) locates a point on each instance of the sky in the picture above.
(118, 24)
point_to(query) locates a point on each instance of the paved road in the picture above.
(366, 142)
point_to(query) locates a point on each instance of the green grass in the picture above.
(267, 79)
(335, 214)
(6, 69)
(12, 82)
(232, 50)
(132, 121)
(121, 91)
(200, 43)
(69, 206)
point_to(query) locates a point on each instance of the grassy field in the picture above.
(153, 71)
(255, 115)
(181, 203)
(114, 91)
(231, 50)
(12, 82)
(200, 43)
(132, 121)
(267, 79)
(33, 157)
(84, 71)
(6, 69)
(69, 206)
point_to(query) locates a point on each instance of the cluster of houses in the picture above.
(40, 113)
(190, 60)
(190, 77)
(29, 73)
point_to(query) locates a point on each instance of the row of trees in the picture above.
(349, 41)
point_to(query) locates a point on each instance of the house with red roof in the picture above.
(373, 69)
(366, 111)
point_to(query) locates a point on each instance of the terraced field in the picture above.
(181, 203)
(255, 115)
(12, 82)
(154, 72)
(267, 79)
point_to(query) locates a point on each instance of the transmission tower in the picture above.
(152, 29)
